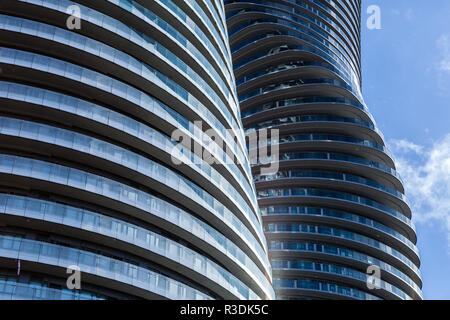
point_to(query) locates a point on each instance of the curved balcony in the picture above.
(110, 272)
(12, 289)
(329, 252)
(314, 289)
(336, 273)
(353, 240)
(364, 186)
(361, 223)
(133, 240)
(333, 160)
(139, 68)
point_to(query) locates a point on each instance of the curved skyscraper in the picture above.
(95, 100)
(335, 212)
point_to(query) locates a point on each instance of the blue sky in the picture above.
(406, 85)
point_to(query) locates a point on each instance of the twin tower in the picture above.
(126, 154)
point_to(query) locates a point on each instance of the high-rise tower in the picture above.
(336, 208)
(91, 94)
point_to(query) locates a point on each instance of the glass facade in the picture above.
(110, 112)
(336, 206)
(91, 93)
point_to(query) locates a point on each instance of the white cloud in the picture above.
(395, 12)
(445, 65)
(426, 173)
(443, 45)
(406, 146)
(409, 14)
(441, 65)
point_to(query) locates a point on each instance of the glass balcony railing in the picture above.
(120, 230)
(12, 289)
(351, 78)
(148, 16)
(322, 50)
(125, 194)
(340, 215)
(312, 16)
(286, 66)
(319, 193)
(223, 57)
(86, 76)
(341, 234)
(329, 175)
(296, 84)
(344, 51)
(98, 265)
(148, 44)
(51, 99)
(327, 249)
(321, 286)
(333, 269)
(121, 156)
(278, 122)
(304, 101)
(292, 138)
(354, 27)
(294, 156)
(77, 41)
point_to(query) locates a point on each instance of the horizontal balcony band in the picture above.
(406, 227)
(335, 197)
(12, 289)
(81, 114)
(107, 231)
(298, 106)
(145, 207)
(149, 22)
(183, 23)
(54, 259)
(46, 216)
(337, 161)
(378, 192)
(301, 87)
(92, 84)
(262, 45)
(324, 27)
(353, 279)
(406, 248)
(254, 216)
(371, 152)
(130, 131)
(350, 19)
(358, 260)
(127, 165)
(145, 45)
(268, 23)
(322, 123)
(340, 218)
(319, 289)
(363, 244)
(285, 69)
(71, 145)
(289, 54)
